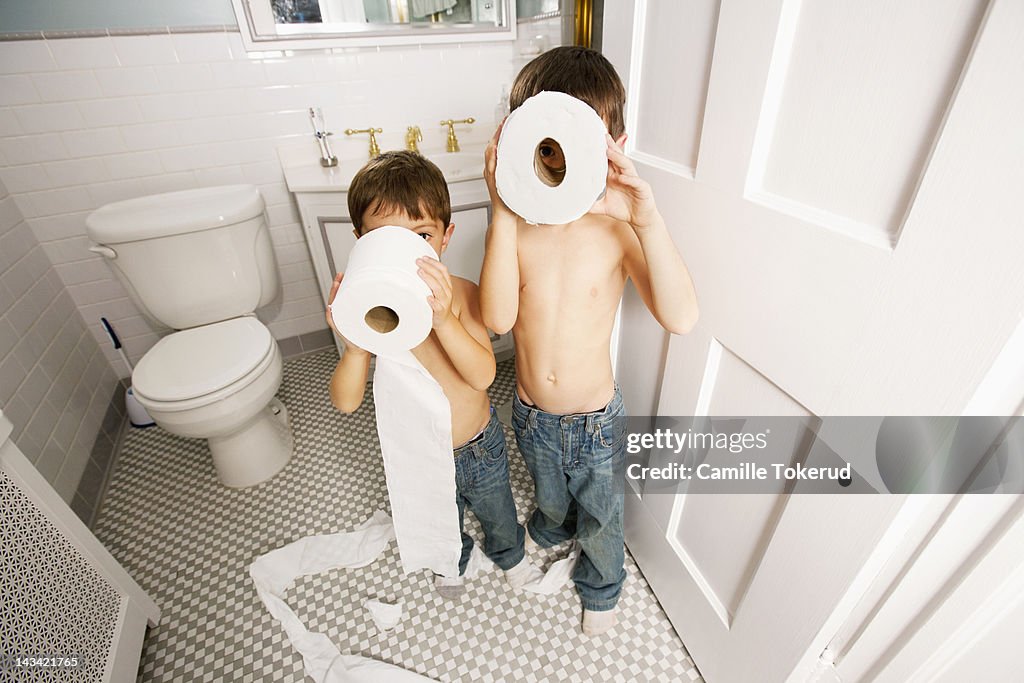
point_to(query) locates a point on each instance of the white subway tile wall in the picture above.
(88, 121)
(55, 383)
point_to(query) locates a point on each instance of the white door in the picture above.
(844, 181)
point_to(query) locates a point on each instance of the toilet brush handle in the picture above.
(117, 343)
(111, 333)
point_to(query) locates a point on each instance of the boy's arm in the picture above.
(463, 338)
(650, 257)
(499, 276)
(661, 278)
(348, 383)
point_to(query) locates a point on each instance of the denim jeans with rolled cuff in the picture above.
(574, 460)
(482, 485)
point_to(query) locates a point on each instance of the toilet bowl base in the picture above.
(257, 451)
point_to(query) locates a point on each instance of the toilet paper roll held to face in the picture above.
(381, 305)
(547, 129)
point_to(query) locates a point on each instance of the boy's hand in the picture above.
(490, 166)
(435, 274)
(349, 346)
(628, 197)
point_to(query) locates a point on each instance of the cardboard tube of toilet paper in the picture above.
(521, 178)
(382, 307)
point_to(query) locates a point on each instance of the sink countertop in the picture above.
(315, 178)
(304, 174)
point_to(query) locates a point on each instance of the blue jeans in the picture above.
(574, 460)
(482, 485)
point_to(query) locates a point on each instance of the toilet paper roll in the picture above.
(381, 306)
(520, 178)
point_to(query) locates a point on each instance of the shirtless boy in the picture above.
(557, 288)
(405, 189)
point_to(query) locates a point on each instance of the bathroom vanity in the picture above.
(321, 195)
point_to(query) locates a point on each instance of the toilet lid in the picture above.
(201, 360)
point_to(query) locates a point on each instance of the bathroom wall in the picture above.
(55, 384)
(86, 121)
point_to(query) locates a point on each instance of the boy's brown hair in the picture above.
(399, 180)
(578, 71)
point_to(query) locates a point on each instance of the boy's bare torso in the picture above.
(470, 407)
(571, 279)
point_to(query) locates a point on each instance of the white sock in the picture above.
(595, 623)
(523, 573)
(450, 588)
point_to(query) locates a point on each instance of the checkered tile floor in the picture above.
(189, 542)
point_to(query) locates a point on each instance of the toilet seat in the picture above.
(195, 367)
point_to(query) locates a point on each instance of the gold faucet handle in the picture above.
(412, 136)
(453, 142)
(374, 147)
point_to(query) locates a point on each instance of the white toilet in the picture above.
(200, 262)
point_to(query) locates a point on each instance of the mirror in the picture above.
(537, 9)
(299, 24)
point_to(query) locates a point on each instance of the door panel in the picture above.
(734, 388)
(854, 101)
(672, 83)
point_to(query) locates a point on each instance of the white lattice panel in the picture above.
(53, 602)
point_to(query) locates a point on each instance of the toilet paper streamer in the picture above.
(275, 572)
(413, 414)
(385, 615)
(579, 131)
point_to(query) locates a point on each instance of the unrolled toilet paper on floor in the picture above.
(275, 572)
(385, 615)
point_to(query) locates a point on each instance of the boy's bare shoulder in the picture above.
(605, 232)
(463, 284)
(466, 303)
(464, 291)
(601, 221)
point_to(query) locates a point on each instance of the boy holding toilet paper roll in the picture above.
(405, 189)
(557, 287)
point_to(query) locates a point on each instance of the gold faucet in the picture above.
(374, 147)
(413, 134)
(453, 142)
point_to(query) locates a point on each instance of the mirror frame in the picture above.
(254, 16)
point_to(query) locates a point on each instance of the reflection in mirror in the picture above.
(386, 11)
(531, 9)
(296, 11)
(275, 24)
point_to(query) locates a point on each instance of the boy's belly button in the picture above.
(552, 378)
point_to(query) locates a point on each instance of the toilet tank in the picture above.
(190, 258)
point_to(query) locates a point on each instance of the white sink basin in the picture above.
(459, 166)
(306, 175)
